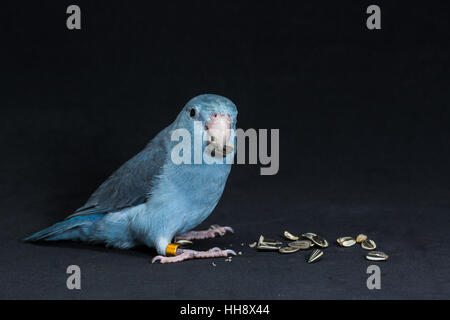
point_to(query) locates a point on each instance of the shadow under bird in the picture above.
(152, 201)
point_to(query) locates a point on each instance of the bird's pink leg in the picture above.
(204, 234)
(185, 254)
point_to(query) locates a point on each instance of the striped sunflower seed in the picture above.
(346, 241)
(377, 256)
(288, 249)
(260, 240)
(184, 243)
(320, 241)
(368, 244)
(265, 247)
(301, 244)
(271, 242)
(308, 235)
(290, 236)
(315, 256)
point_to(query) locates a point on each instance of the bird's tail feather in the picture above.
(56, 231)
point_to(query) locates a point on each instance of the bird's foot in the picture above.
(205, 234)
(185, 254)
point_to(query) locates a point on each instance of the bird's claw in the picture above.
(222, 230)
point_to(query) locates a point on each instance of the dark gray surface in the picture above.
(363, 121)
(413, 232)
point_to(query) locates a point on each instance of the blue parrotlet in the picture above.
(153, 200)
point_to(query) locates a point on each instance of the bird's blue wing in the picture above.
(131, 184)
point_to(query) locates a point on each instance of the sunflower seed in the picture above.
(265, 247)
(316, 239)
(227, 149)
(184, 243)
(288, 249)
(260, 240)
(217, 150)
(320, 241)
(346, 241)
(377, 256)
(315, 255)
(361, 237)
(308, 235)
(252, 245)
(268, 241)
(301, 244)
(368, 244)
(272, 242)
(290, 236)
(275, 243)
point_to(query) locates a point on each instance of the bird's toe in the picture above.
(157, 259)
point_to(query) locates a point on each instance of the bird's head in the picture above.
(212, 119)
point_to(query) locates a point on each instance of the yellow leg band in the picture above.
(171, 249)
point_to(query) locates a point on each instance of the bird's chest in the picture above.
(185, 196)
(198, 195)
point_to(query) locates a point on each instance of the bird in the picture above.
(154, 201)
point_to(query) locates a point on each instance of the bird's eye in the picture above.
(192, 113)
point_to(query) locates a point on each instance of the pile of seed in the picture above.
(310, 240)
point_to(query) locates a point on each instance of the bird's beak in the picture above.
(219, 132)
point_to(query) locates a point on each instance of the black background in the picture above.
(364, 126)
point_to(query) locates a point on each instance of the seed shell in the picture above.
(260, 240)
(315, 255)
(308, 235)
(368, 244)
(184, 243)
(320, 241)
(377, 256)
(272, 242)
(288, 249)
(301, 244)
(290, 236)
(361, 237)
(346, 241)
(265, 247)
